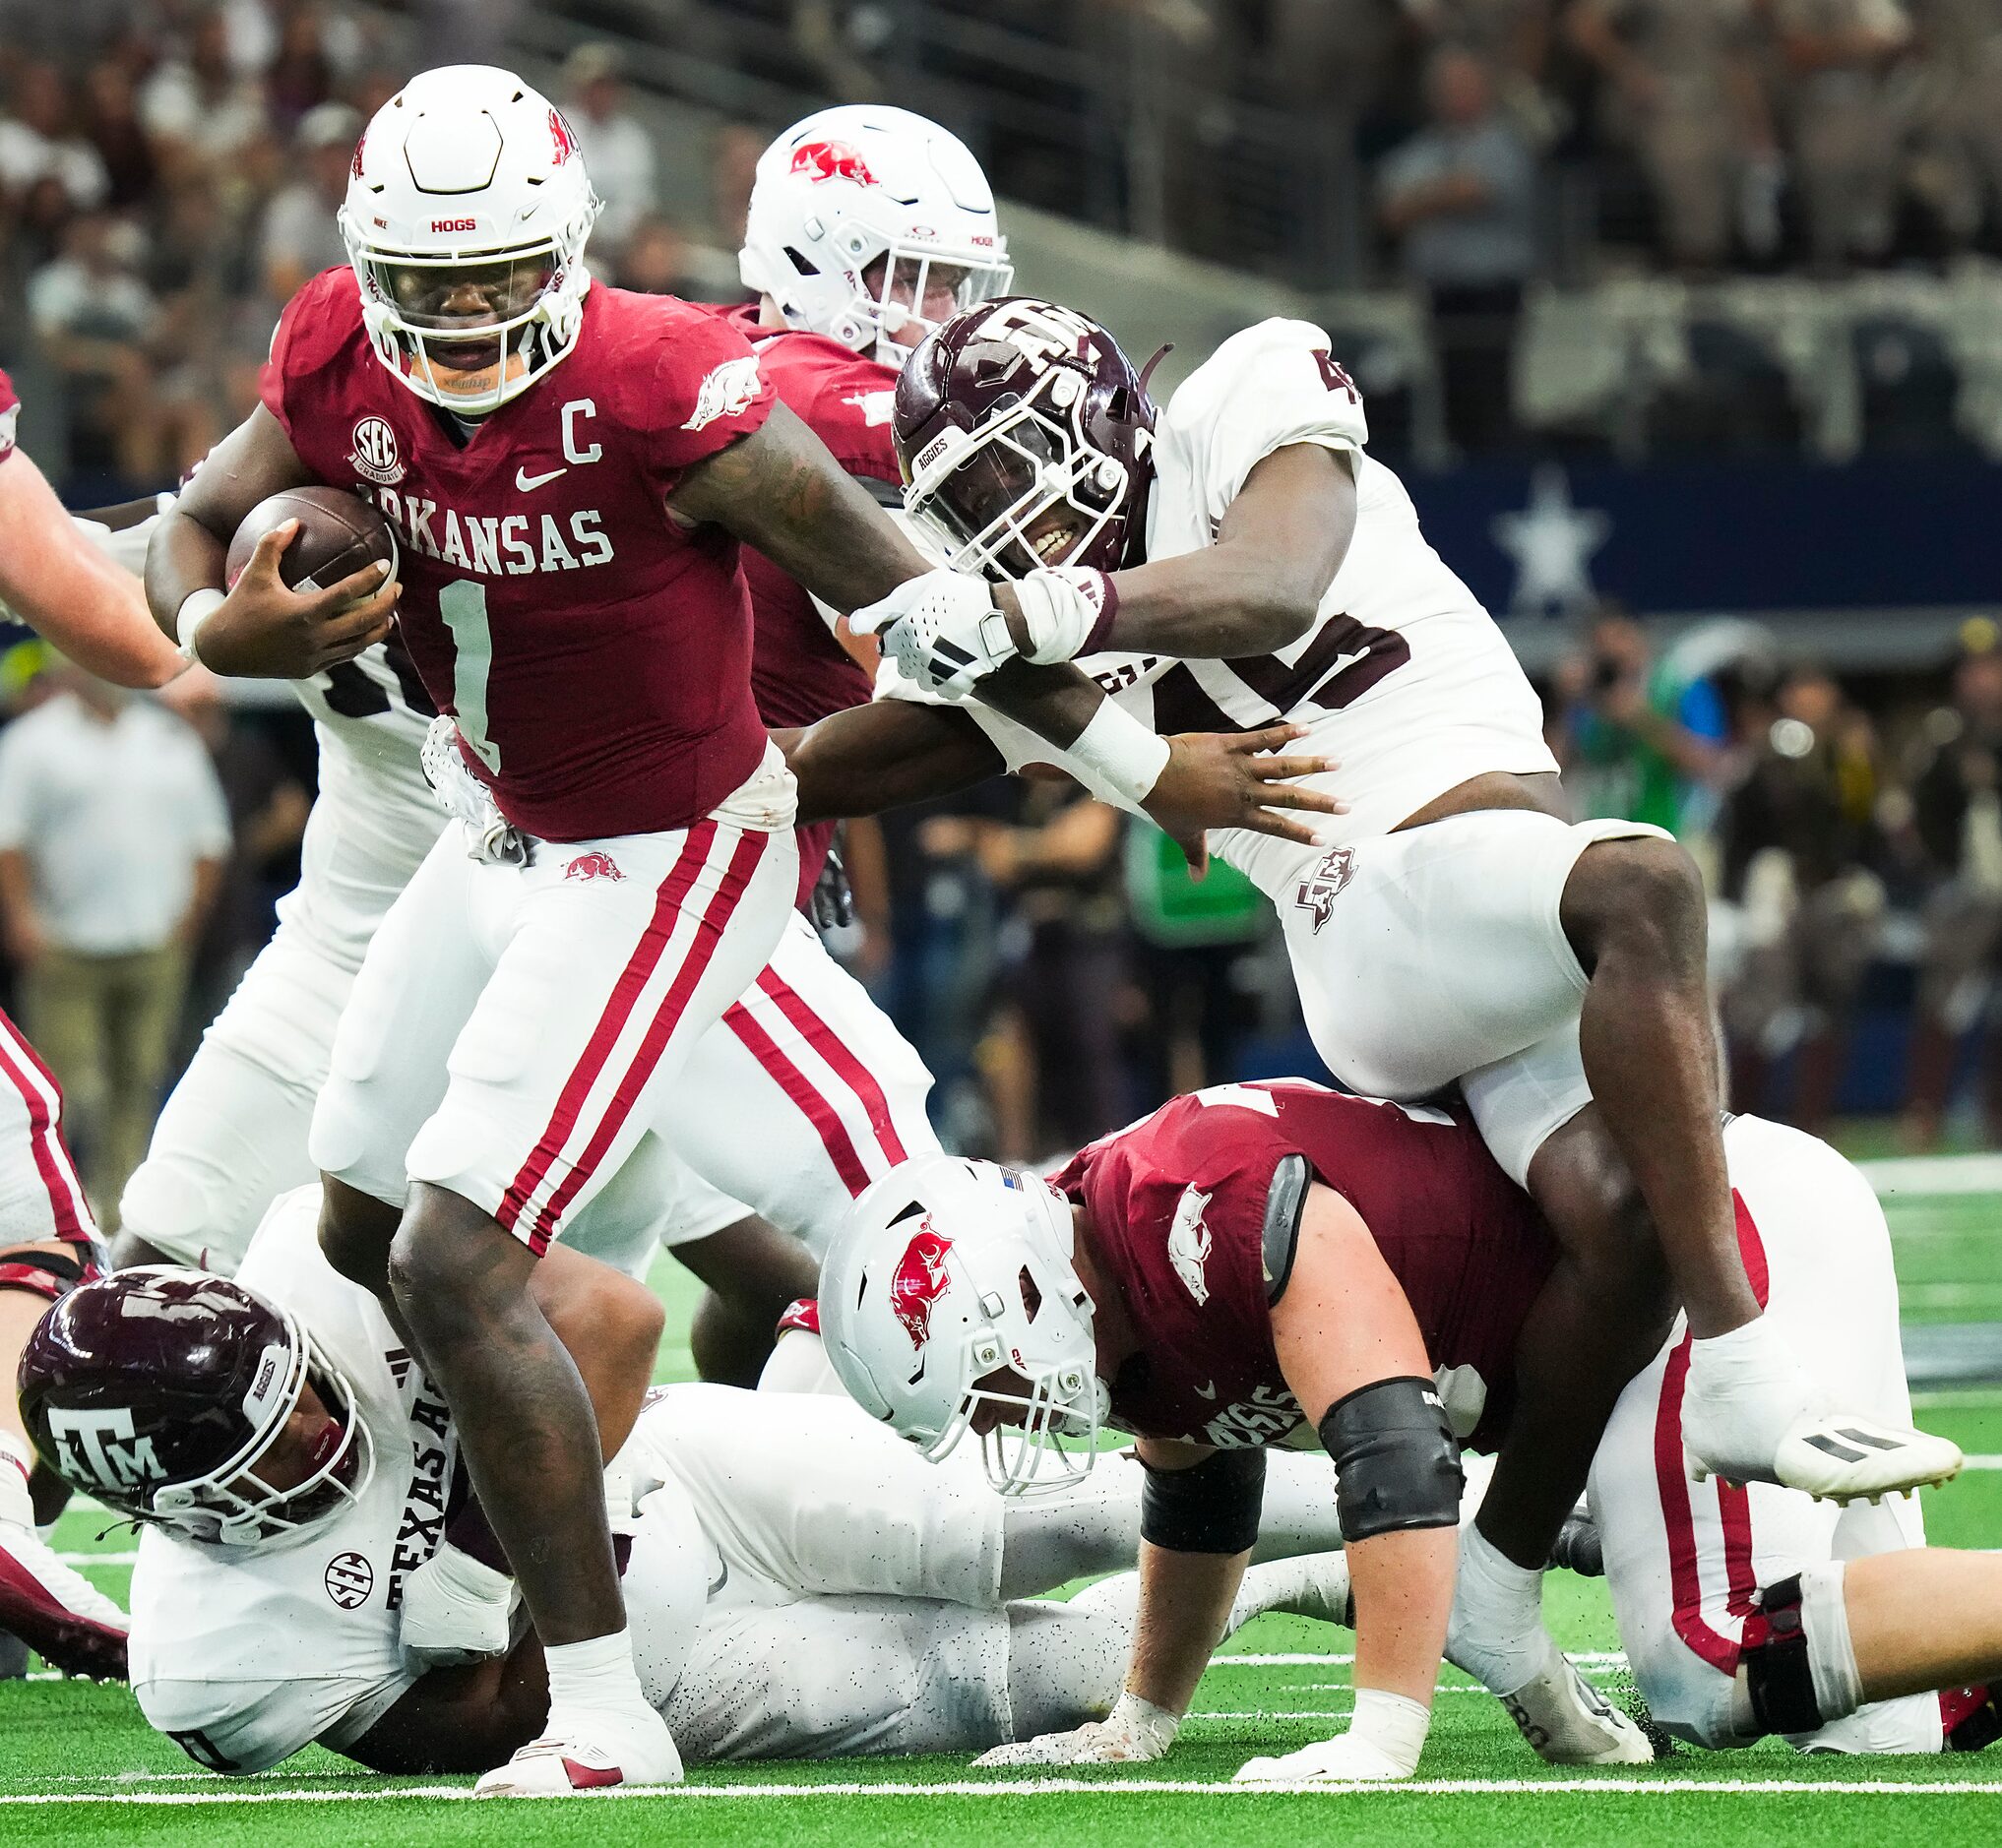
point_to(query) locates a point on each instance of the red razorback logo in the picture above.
(592, 866)
(919, 1282)
(563, 135)
(832, 161)
(355, 169)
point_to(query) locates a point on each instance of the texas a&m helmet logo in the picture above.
(920, 1281)
(104, 1444)
(831, 160)
(375, 451)
(1323, 886)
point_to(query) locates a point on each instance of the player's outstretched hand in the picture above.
(457, 1610)
(265, 628)
(1347, 1759)
(1236, 779)
(1133, 1733)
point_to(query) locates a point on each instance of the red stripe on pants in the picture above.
(709, 931)
(840, 1059)
(826, 1120)
(1673, 1482)
(625, 995)
(52, 1163)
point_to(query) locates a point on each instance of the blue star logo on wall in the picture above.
(1553, 543)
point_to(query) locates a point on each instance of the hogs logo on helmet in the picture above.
(920, 1281)
(563, 135)
(832, 161)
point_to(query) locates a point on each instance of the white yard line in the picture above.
(1935, 1173)
(1059, 1787)
(1584, 1658)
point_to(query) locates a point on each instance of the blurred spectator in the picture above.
(1513, 37)
(112, 125)
(1683, 89)
(1461, 197)
(93, 318)
(733, 167)
(1636, 739)
(1051, 1054)
(268, 808)
(616, 147)
(38, 140)
(301, 236)
(1797, 839)
(200, 110)
(654, 260)
(112, 839)
(1957, 812)
(1845, 119)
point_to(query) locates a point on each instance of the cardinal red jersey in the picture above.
(1178, 1207)
(10, 414)
(800, 671)
(597, 657)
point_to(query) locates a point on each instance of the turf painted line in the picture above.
(1584, 1658)
(1935, 1173)
(1056, 1787)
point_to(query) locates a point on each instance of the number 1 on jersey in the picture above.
(462, 604)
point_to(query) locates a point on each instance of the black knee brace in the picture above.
(1212, 1507)
(1397, 1461)
(1777, 1674)
(51, 1275)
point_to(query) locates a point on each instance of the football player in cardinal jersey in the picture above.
(1257, 1264)
(569, 471)
(1239, 559)
(53, 579)
(801, 1583)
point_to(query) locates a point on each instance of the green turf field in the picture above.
(76, 1765)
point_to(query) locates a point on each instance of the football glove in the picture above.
(942, 629)
(1134, 1732)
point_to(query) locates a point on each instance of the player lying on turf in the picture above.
(1240, 556)
(801, 1583)
(1254, 1264)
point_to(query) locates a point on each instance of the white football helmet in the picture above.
(944, 1274)
(467, 213)
(863, 184)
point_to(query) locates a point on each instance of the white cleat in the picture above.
(1568, 1721)
(1342, 1759)
(1837, 1458)
(55, 1610)
(621, 1753)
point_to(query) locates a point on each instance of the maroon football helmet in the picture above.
(1026, 438)
(160, 1392)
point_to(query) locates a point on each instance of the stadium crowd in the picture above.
(168, 175)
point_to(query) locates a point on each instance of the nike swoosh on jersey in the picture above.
(525, 482)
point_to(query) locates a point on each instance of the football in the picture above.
(338, 533)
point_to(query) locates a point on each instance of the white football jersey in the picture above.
(1404, 678)
(245, 1655)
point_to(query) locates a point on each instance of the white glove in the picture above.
(1381, 1745)
(1134, 1732)
(490, 835)
(1345, 1759)
(457, 1610)
(942, 629)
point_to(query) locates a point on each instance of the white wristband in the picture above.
(1060, 607)
(1394, 1725)
(196, 609)
(1117, 756)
